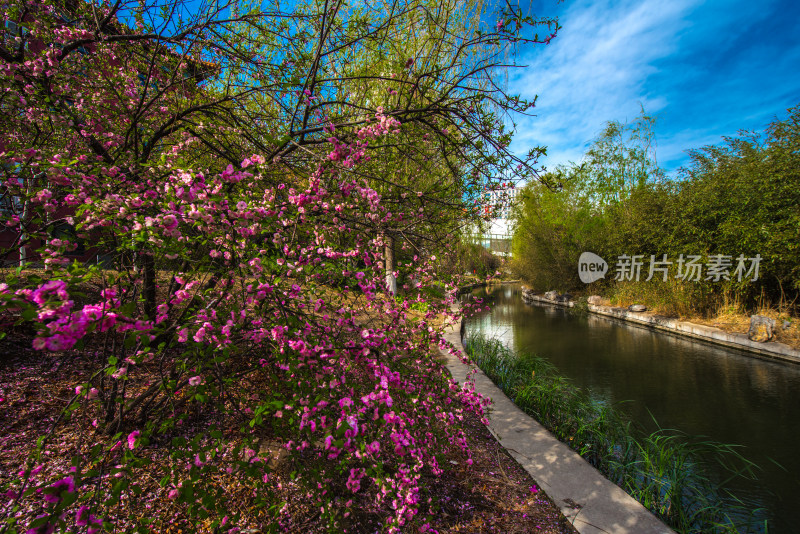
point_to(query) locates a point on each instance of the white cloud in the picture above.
(594, 71)
(704, 68)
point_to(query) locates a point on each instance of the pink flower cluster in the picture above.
(245, 257)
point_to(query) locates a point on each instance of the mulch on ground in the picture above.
(494, 494)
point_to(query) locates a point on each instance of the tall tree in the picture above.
(232, 149)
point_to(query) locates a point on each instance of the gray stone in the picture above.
(527, 294)
(551, 295)
(762, 329)
(637, 308)
(595, 300)
(274, 452)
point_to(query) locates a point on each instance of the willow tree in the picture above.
(433, 67)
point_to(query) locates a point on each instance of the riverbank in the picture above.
(658, 381)
(466, 288)
(590, 501)
(711, 334)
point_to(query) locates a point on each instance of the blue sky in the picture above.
(705, 69)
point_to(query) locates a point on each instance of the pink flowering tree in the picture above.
(229, 178)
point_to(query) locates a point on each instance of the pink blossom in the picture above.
(132, 439)
(119, 373)
(47, 528)
(53, 494)
(82, 516)
(199, 335)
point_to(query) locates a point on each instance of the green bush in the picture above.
(738, 198)
(471, 258)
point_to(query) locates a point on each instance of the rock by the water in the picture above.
(595, 300)
(551, 295)
(566, 297)
(637, 308)
(762, 329)
(528, 293)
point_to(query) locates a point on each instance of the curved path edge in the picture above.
(591, 502)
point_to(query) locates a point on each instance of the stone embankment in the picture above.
(637, 313)
(591, 502)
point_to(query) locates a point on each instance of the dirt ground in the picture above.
(494, 494)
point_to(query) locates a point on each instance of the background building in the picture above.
(494, 234)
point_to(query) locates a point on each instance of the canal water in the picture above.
(696, 387)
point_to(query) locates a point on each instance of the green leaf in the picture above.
(127, 309)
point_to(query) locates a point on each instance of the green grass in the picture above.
(666, 470)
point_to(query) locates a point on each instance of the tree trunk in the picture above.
(388, 257)
(23, 248)
(149, 290)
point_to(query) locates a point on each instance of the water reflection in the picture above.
(686, 384)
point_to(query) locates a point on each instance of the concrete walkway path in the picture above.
(591, 502)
